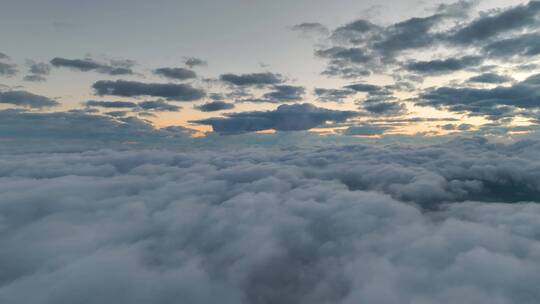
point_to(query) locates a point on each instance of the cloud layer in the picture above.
(453, 223)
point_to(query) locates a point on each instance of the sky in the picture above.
(261, 152)
(412, 67)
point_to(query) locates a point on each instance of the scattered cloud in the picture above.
(178, 92)
(86, 65)
(26, 99)
(215, 106)
(176, 73)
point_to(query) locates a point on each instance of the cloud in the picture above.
(331, 224)
(176, 73)
(335, 95)
(285, 93)
(214, 106)
(7, 69)
(158, 105)
(525, 45)
(311, 28)
(192, 62)
(39, 68)
(490, 78)
(254, 79)
(363, 87)
(285, 118)
(179, 92)
(3, 56)
(491, 25)
(84, 131)
(85, 65)
(523, 95)
(26, 99)
(384, 107)
(365, 130)
(34, 78)
(110, 104)
(444, 66)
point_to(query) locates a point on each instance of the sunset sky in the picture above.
(411, 67)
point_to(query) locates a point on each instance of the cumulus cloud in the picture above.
(253, 79)
(336, 95)
(285, 93)
(311, 28)
(158, 105)
(214, 106)
(192, 62)
(490, 78)
(84, 65)
(285, 118)
(334, 224)
(110, 104)
(441, 66)
(178, 92)
(365, 130)
(176, 73)
(26, 99)
(524, 94)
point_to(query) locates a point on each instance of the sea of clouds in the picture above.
(364, 223)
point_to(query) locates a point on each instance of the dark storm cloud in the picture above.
(7, 69)
(179, 92)
(284, 93)
(441, 66)
(365, 130)
(192, 62)
(158, 105)
(85, 65)
(215, 106)
(254, 79)
(490, 78)
(26, 99)
(110, 104)
(336, 95)
(491, 25)
(525, 94)
(285, 118)
(176, 73)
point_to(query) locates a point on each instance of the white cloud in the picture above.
(348, 224)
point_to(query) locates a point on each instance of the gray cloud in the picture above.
(363, 87)
(332, 224)
(336, 95)
(192, 62)
(26, 99)
(491, 102)
(310, 28)
(34, 78)
(444, 65)
(488, 26)
(490, 78)
(158, 105)
(365, 130)
(284, 93)
(254, 79)
(7, 69)
(175, 73)
(285, 118)
(3, 56)
(110, 104)
(85, 65)
(179, 92)
(214, 106)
